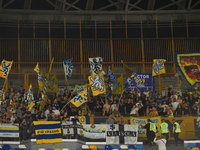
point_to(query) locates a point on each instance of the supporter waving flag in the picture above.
(5, 68)
(68, 68)
(46, 86)
(30, 97)
(41, 77)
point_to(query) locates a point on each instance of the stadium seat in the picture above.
(101, 149)
(65, 149)
(4, 149)
(20, 149)
(85, 147)
(57, 149)
(93, 147)
(41, 148)
(197, 145)
(139, 146)
(116, 147)
(108, 147)
(49, 149)
(191, 145)
(124, 147)
(28, 149)
(12, 149)
(6, 146)
(195, 148)
(78, 149)
(131, 147)
(22, 146)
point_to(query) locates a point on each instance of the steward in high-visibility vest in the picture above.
(164, 130)
(152, 127)
(151, 131)
(176, 131)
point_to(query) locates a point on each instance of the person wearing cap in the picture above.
(160, 142)
(176, 131)
(164, 130)
(151, 131)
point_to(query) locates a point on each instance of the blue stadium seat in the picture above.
(28, 149)
(101, 149)
(139, 146)
(131, 147)
(116, 147)
(139, 149)
(191, 145)
(6, 146)
(78, 149)
(12, 149)
(108, 147)
(4, 149)
(197, 145)
(20, 149)
(86, 149)
(123, 149)
(49, 149)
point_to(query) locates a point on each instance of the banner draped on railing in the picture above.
(9, 130)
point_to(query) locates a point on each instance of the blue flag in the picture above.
(68, 68)
(129, 79)
(111, 76)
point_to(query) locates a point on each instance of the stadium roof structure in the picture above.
(119, 11)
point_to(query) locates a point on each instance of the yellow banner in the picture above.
(143, 121)
(158, 67)
(118, 85)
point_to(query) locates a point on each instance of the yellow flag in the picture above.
(128, 71)
(79, 88)
(37, 69)
(118, 85)
(52, 84)
(80, 99)
(158, 67)
(5, 68)
(97, 84)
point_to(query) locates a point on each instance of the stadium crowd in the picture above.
(14, 107)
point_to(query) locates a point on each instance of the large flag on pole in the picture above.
(118, 86)
(80, 99)
(128, 71)
(30, 97)
(97, 84)
(41, 77)
(158, 67)
(96, 64)
(5, 68)
(68, 68)
(46, 86)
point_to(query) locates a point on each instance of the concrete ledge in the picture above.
(192, 142)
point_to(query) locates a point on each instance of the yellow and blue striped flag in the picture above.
(80, 99)
(117, 85)
(68, 68)
(5, 68)
(79, 88)
(30, 97)
(48, 132)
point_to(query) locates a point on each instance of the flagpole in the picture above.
(121, 95)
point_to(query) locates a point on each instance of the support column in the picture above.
(81, 48)
(18, 48)
(50, 48)
(111, 46)
(142, 45)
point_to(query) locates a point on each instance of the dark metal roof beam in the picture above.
(89, 4)
(195, 4)
(151, 5)
(135, 5)
(112, 4)
(72, 5)
(56, 7)
(166, 6)
(8, 3)
(27, 4)
(127, 4)
(181, 4)
(189, 4)
(121, 4)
